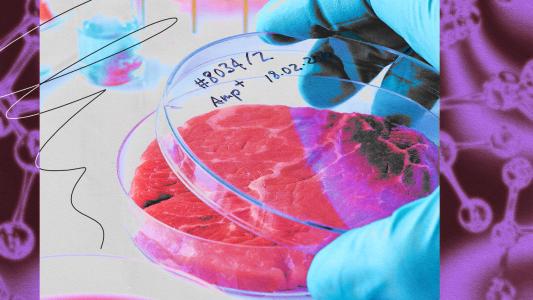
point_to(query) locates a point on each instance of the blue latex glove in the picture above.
(397, 257)
(402, 25)
(393, 258)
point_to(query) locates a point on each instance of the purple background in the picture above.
(479, 40)
(19, 68)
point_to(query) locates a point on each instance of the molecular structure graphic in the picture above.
(503, 92)
(17, 240)
(459, 18)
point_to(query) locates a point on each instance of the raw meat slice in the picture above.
(244, 260)
(161, 194)
(358, 168)
(243, 267)
(339, 170)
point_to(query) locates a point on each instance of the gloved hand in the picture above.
(393, 258)
(406, 24)
(397, 257)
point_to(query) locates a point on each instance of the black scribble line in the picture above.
(55, 76)
(96, 96)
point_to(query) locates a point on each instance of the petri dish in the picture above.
(229, 101)
(279, 76)
(87, 276)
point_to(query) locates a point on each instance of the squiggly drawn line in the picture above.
(96, 96)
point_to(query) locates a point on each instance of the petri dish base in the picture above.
(262, 138)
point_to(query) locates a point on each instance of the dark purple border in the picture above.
(19, 142)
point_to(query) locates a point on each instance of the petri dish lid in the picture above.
(230, 100)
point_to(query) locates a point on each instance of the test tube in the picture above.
(139, 9)
(194, 15)
(107, 24)
(246, 11)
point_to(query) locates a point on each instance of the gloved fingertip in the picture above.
(271, 18)
(339, 270)
(314, 277)
(322, 277)
(288, 22)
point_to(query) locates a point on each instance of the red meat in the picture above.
(338, 170)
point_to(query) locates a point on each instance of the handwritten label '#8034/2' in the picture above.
(271, 76)
(225, 68)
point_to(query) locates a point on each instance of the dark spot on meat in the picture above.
(395, 162)
(414, 156)
(161, 198)
(389, 125)
(205, 218)
(408, 175)
(376, 125)
(331, 120)
(403, 144)
(426, 182)
(380, 155)
(365, 137)
(385, 134)
(378, 152)
(399, 119)
(356, 122)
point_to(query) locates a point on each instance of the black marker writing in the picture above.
(297, 67)
(216, 74)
